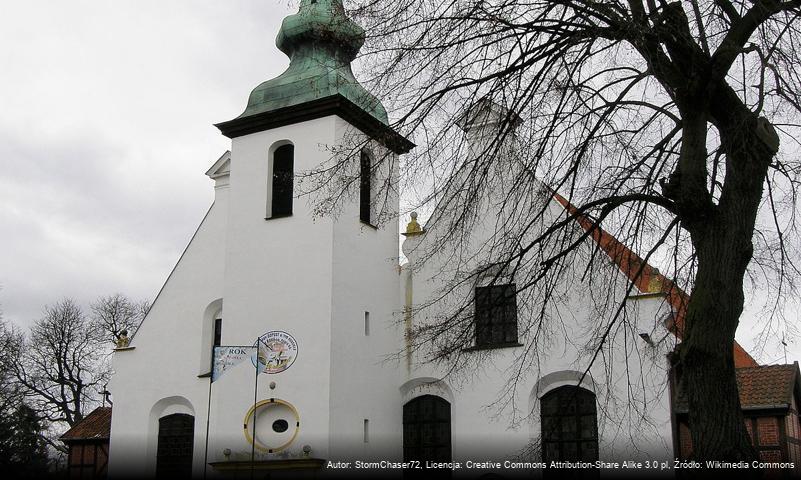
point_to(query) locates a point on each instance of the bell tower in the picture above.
(321, 42)
(329, 282)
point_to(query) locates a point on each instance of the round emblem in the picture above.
(276, 352)
(277, 425)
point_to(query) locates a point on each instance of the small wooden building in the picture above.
(87, 442)
(770, 396)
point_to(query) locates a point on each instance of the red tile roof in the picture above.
(641, 274)
(96, 425)
(762, 387)
(767, 385)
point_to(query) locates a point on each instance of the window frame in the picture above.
(285, 197)
(366, 188)
(216, 332)
(484, 317)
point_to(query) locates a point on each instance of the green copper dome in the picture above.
(320, 41)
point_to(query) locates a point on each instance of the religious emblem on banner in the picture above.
(276, 352)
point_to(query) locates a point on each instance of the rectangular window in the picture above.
(366, 430)
(217, 332)
(496, 315)
(365, 189)
(366, 324)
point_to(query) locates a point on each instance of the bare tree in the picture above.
(61, 366)
(115, 314)
(23, 451)
(659, 121)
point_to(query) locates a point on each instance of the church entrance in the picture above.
(427, 429)
(174, 451)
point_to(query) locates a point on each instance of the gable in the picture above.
(221, 167)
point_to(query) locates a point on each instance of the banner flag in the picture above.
(227, 357)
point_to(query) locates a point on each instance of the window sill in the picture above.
(368, 224)
(286, 215)
(204, 375)
(492, 346)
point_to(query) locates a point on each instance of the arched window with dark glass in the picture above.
(217, 341)
(174, 450)
(282, 181)
(427, 429)
(365, 188)
(569, 425)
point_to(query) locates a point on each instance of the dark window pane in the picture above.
(283, 179)
(218, 332)
(496, 315)
(365, 188)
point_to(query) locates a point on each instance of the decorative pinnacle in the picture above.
(322, 23)
(655, 284)
(413, 228)
(321, 41)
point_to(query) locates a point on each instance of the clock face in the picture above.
(276, 352)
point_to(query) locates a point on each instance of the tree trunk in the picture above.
(707, 355)
(723, 245)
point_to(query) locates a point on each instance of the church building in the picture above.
(281, 340)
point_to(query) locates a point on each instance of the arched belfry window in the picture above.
(427, 429)
(282, 181)
(569, 425)
(365, 188)
(174, 450)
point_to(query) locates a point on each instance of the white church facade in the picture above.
(331, 311)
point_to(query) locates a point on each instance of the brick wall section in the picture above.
(768, 431)
(770, 455)
(795, 453)
(793, 428)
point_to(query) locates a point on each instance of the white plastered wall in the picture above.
(633, 425)
(161, 371)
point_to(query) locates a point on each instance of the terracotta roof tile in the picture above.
(96, 425)
(762, 387)
(766, 385)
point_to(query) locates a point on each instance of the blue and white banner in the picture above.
(227, 357)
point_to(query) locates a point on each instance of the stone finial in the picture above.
(413, 228)
(655, 284)
(123, 341)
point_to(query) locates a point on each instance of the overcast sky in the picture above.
(106, 131)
